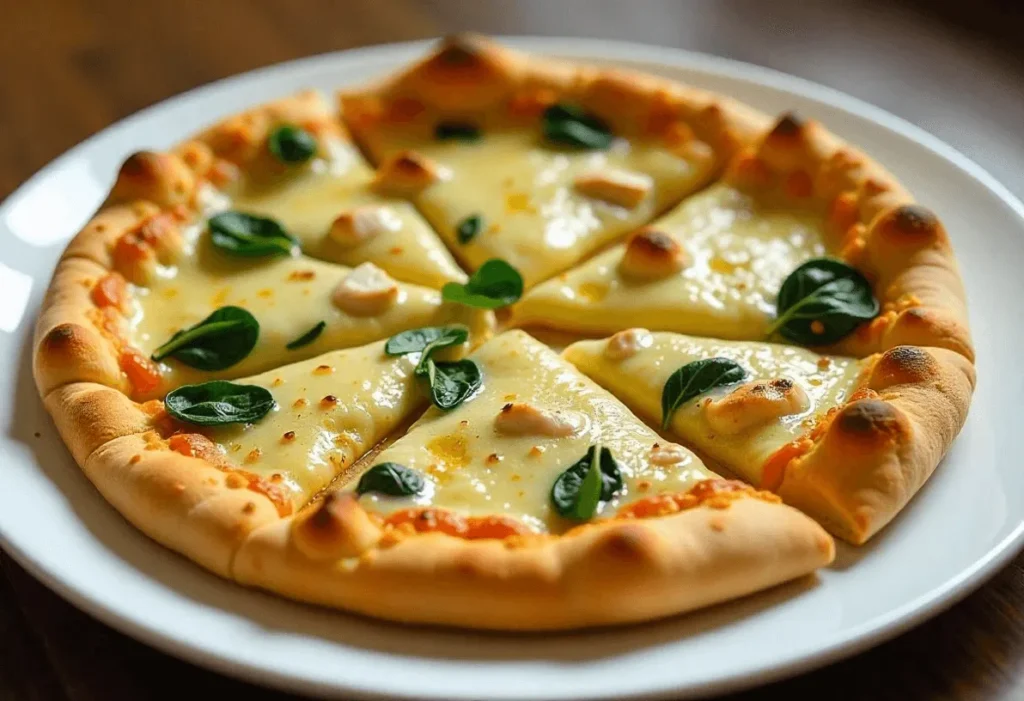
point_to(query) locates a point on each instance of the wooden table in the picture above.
(72, 67)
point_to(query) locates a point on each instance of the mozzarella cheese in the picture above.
(308, 202)
(329, 411)
(534, 217)
(473, 466)
(288, 296)
(736, 425)
(737, 255)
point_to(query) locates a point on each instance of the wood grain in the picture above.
(73, 67)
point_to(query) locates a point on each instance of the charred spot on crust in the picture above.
(789, 125)
(870, 417)
(915, 219)
(903, 364)
(323, 518)
(459, 50)
(631, 543)
(140, 164)
(60, 337)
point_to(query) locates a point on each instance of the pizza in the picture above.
(505, 342)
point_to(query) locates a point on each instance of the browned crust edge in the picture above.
(610, 572)
(872, 223)
(467, 77)
(878, 450)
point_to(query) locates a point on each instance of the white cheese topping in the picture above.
(366, 291)
(626, 344)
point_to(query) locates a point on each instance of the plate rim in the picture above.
(858, 639)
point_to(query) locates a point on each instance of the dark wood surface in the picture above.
(68, 68)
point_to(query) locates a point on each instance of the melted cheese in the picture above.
(307, 202)
(639, 379)
(473, 468)
(533, 215)
(738, 253)
(288, 296)
(306, 441)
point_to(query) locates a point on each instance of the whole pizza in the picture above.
(506, 342)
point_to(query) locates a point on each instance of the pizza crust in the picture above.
(184, 503)
(876, 452)
(610, 572)
(468, 77)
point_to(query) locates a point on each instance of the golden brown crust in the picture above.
(610, 572)
(181, 502)
(874, 224)
(877, 451)
(70, 344)
(88, 415)
(241, 138)
(468, 78)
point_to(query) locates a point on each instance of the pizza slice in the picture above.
(794, 213)
(537, 162)
(293, 162)
(211, 461)
(848, 441)
(538, 502)
(148, 298)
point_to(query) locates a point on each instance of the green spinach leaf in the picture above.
(418, 340)
(594, 478)
(469, 228)
(496, 284)
(693, 380)
(250, 236)
(452, 382)
(291, 144)
(568, 125)
(392, 479)
(217, 342)
(308, 337)
(822, 301)
(218, 402)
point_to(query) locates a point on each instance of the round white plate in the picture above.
(965, 523)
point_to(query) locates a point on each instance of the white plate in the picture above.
(964, 525)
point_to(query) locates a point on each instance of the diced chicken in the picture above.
(669, 454)
(651, 254)
(522, 419)
(618, 187)
(361, 224)
(626, 344)
(754, 404)
(366, 291)
(407, 173)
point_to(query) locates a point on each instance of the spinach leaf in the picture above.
(469, 228)
(822, 301)
(452, 382)
(291, 144)
(392, 479)
(594, 478)
(460, 131)
(417, 340)
(496, 284)
(694, 379)
(218, 402)
(215, 343)
(568, 125)
(308, 337)
(249, 236)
